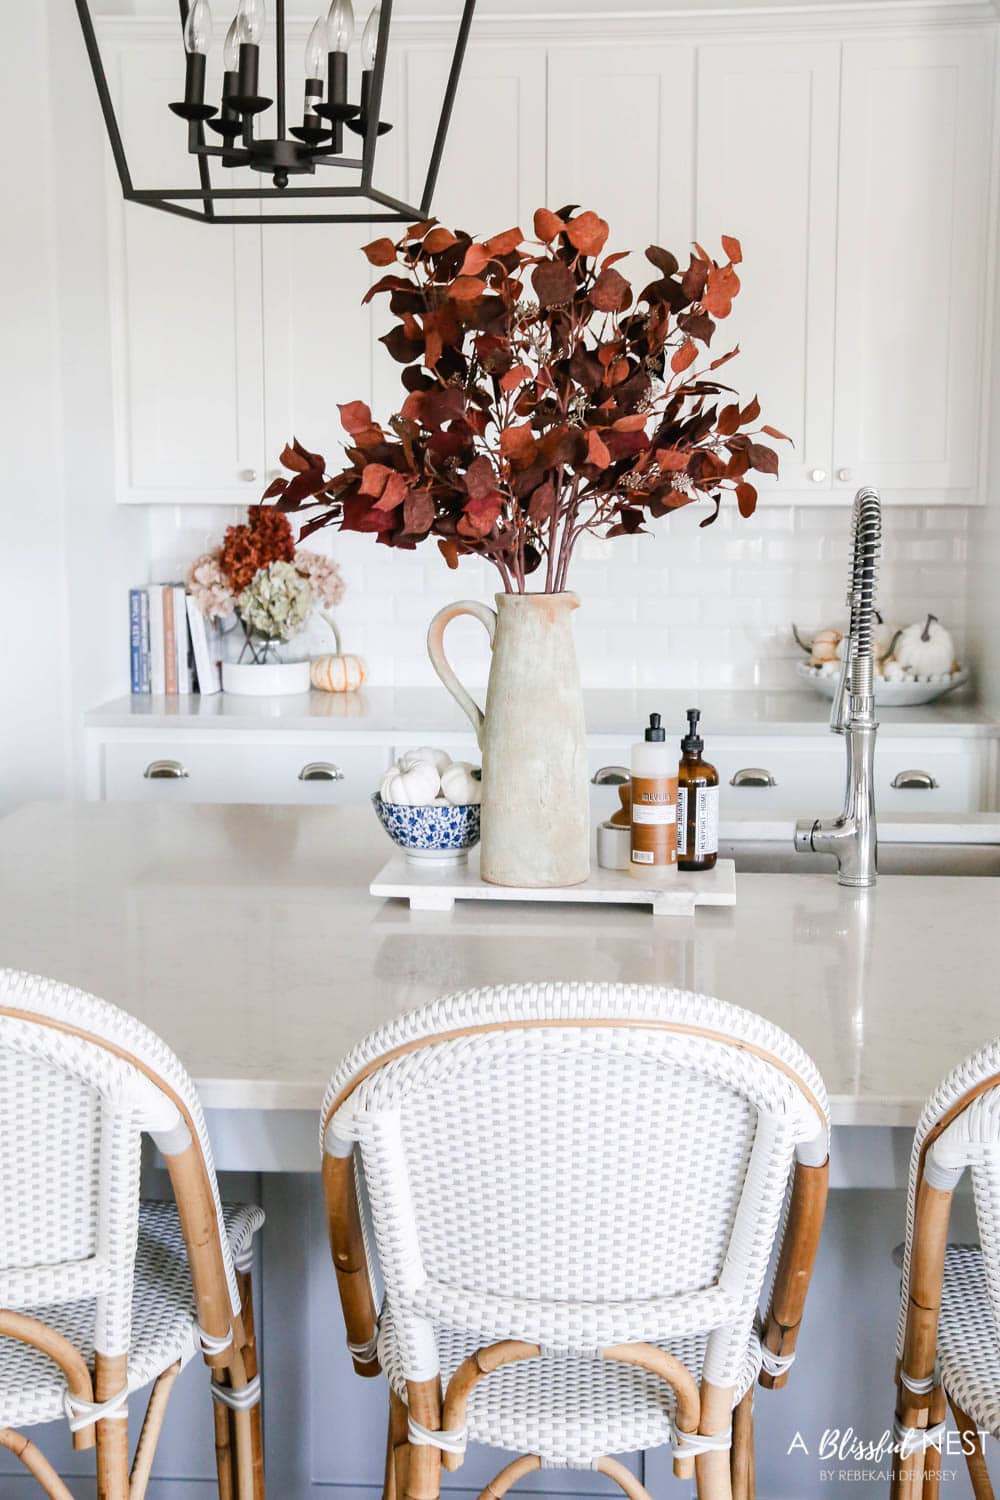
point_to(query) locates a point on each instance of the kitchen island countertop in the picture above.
(247, 938)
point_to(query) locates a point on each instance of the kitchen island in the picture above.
(247, 938)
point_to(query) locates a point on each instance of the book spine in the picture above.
(145, 678)
(169, 642)
(183, 640)
(206, 668)
(157, 666)
(135, 639)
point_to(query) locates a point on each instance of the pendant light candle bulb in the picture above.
(316, 50)
(198, 28)
(340, 26)
(250, 21)
(231, 49)
(369, 41)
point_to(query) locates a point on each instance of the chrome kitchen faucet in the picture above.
(853, 837)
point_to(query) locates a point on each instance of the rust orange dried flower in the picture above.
(266, 537)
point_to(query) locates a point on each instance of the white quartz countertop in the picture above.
(613, 712)
(247, 938)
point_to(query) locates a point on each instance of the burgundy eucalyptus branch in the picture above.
(544, 402)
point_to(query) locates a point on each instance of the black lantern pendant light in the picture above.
(239, 131)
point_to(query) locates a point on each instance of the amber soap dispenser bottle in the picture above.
(697, 803)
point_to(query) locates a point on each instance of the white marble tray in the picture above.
(436, 887)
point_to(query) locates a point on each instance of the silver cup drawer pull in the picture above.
(753, 776)
(914, 781)
(321, 770)
(166, 770)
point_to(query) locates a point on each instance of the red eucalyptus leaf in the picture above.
(503, 244)
(515, 377)
(355, 417)
(381, 252)
(587, 233)
(673, 460)
(480, 516)
(724, 358)
(542, 503)
(597, 450)
(276, 487)
(763, 459)
(300, 459)
(440, 239)
(710, 520)
(554, 283)
(477, 258)
(610, 260)
(303, 486)
(694, 279)
(449, 551)
(634, 423)
(662, 260)
(480, 479)
(373, 480)
(773, 432)
(750, 412)
(517, 444)
(728, 420)
(684, 356)
(547, 225)
(610, 292)
(418, 230)
(723, 284)
(466, 288)
(733, 248)
(361, 515)
(395, 492)
(418, 512)
(746, 499)
(403, 350)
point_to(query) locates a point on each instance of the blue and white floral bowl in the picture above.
(438, 832)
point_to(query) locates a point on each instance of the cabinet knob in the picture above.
(753, 776)
(248, 476)
(914, 781)
(166, 770)
(844, 475)
(611, 776)
(817, 475)
(321, 770)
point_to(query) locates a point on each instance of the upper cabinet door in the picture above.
(187, 305)
(912, 262)
(766, 173)
(621, 142)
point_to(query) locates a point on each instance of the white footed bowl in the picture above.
(889, 694)
(265, 680)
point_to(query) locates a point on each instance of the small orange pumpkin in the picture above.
(337, 673)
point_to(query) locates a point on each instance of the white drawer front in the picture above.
(240, 770)
(956, 767)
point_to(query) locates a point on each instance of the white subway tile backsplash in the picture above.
(684, 607)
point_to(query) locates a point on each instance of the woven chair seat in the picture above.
(163, 1317)
(569, 1409)
(968, 1346)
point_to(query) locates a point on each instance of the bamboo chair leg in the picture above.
(975, 1458)
(509, 1476)
(244, 1282)
(423, 1467)
(35, 1462)
(152, 1425)
(110, 1375)
(223, 1444)
(741, 1456)
(712, 1469)
(934, 1457)
(623, 1478)
(395, 1440)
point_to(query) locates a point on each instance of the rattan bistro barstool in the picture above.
(948, 1342)
(572, 1193)
(102, 1294)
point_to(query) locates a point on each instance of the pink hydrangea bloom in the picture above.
(208, 586)
(325, 578)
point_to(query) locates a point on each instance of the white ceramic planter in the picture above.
(265, 679)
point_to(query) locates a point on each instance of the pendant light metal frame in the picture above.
(213, 200)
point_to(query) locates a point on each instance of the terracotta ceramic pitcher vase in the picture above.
(536, 804)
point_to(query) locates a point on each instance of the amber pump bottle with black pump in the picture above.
(697, 803)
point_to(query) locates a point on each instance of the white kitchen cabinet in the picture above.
(766, 165)
(912, 262)
(186, 300)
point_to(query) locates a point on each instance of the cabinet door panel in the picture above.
(621, 142)
(766, 172)
(914, 185)
(187, 297)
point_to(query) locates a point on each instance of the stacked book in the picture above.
(170, 646)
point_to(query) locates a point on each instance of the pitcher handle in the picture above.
(435, 649)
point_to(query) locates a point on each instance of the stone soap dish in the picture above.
(437, 888)
(889, 694)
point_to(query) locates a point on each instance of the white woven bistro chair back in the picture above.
(80, 1082)
(576, 1165)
